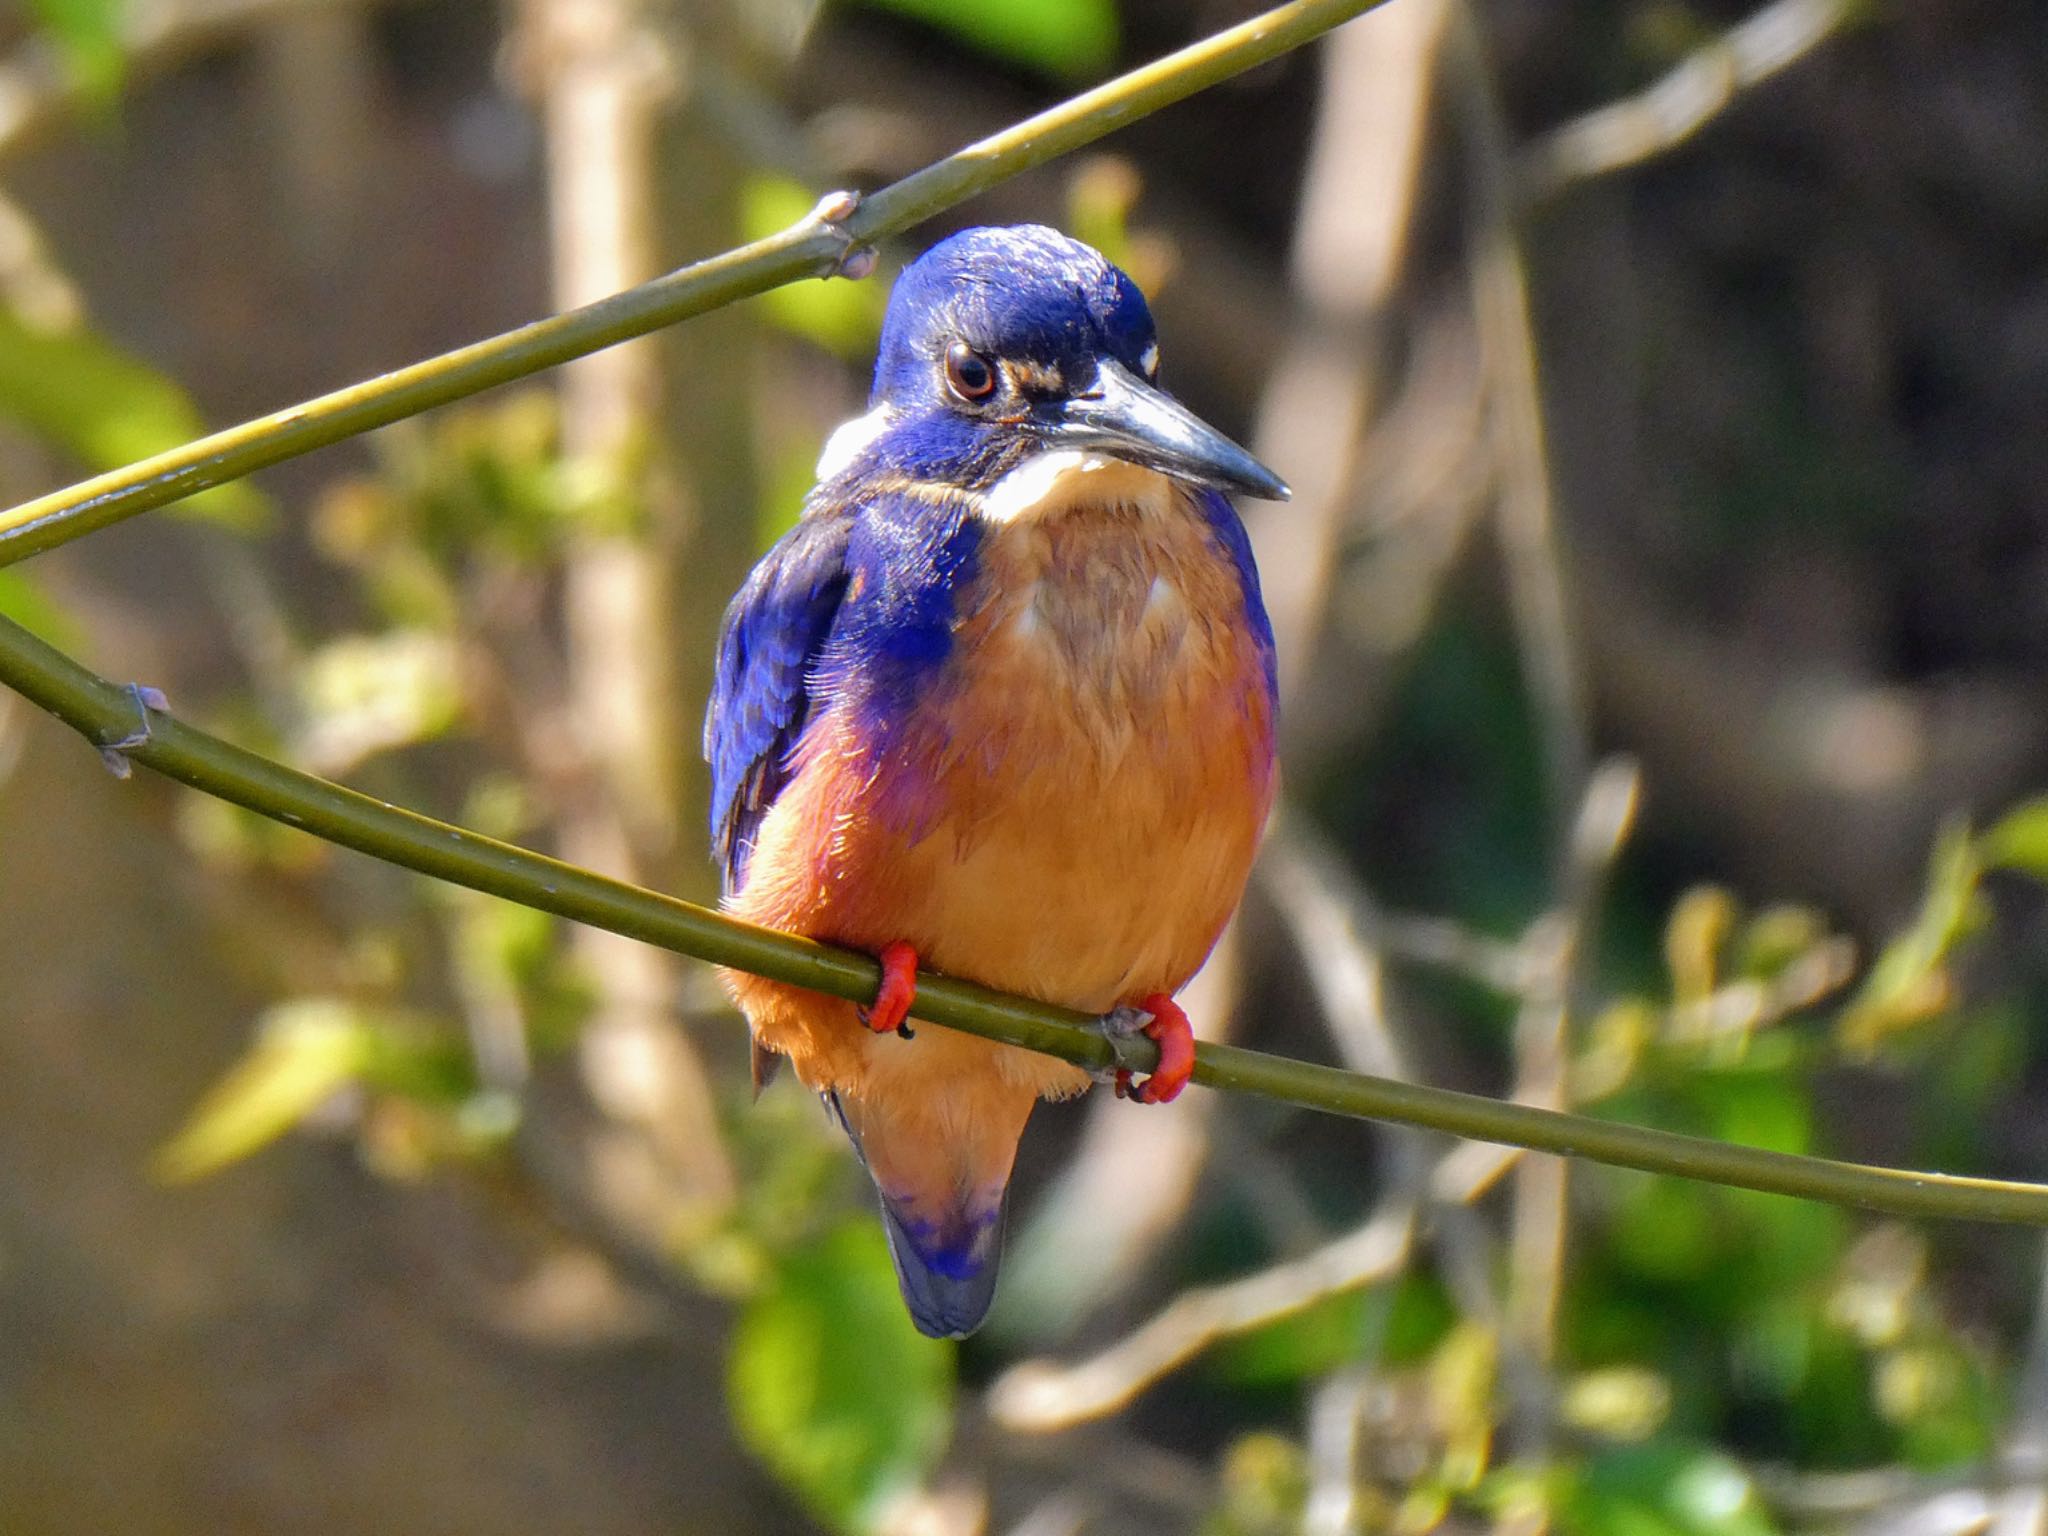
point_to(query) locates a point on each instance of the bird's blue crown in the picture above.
(1022, 292)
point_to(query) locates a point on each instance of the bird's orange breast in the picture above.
(1072, 808)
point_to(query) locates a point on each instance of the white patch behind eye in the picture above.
(1149, 360)
(850, 439)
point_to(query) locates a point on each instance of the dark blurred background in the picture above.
(1664, 617)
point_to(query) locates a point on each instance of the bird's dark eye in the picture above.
(968, 373)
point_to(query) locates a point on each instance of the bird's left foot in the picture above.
(891, 1006)
(1161, 1018)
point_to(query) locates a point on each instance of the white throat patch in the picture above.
(1048, 481)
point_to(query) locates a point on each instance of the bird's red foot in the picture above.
(1170, 1029)
(891, 1006)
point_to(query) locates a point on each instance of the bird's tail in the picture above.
(947, 1273)
(942, 1187)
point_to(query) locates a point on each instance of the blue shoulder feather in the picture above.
(760, 697)
(853, 607)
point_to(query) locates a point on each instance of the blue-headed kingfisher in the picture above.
(1001, 703)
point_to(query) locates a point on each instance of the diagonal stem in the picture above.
(106, 713)
(811, 248)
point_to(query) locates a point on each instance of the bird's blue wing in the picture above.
(760, 697)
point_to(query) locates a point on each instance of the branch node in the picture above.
(1122, 1025)
(115, 753)
(835, 208)
(855, 260)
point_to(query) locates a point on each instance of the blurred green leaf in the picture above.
(89, 34)
(1663, 1229)
(307, 1050)
(231, 837)
(2018, 840)
(787, 481)
(107, 408)
(1761, 1109)
(23, 601)
(1700, 925)
(1777, 937)
(1263, 1485)
(1309, 1343)
(1831, 1418)
(1663, 1490)
(1066, 38)
(833, 1387)
(1909, 984)
(1401, 1323)
(1617, 1403)
(364, 694)
(1461, 1378)
(842, 317)
(1975, 1065)
(1945, 1402)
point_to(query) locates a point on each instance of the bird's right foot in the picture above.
(1160, 1018)
(886, 1015)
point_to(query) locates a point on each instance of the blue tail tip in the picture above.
(946, 1271)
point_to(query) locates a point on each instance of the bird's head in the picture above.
(1001, 344)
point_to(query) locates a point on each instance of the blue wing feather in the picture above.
(760, 697)
(855, 603)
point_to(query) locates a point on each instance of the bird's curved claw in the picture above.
(115, 753)
(1160, 1018)
(886, 1015)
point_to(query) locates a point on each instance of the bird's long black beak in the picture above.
(1124, 416)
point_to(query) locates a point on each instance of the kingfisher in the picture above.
(1001, 703)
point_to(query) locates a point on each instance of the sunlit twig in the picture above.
(1686, 99)
(829, 242)
(1041, 1396)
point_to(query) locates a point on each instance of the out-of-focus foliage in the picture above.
(23, 601)
(1700, 1322)
(842, 317)
(306, 1052)
(1102, 199)
(1068, 39)
(831, 1384)
(89, 32)
(1668, 1490)
(104, 407)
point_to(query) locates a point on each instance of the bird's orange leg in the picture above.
(899, 985)
(1170, 1029)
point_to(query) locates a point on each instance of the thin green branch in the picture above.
(812, 248)
(113, 718)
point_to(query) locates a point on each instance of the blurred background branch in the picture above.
(1627, 132)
